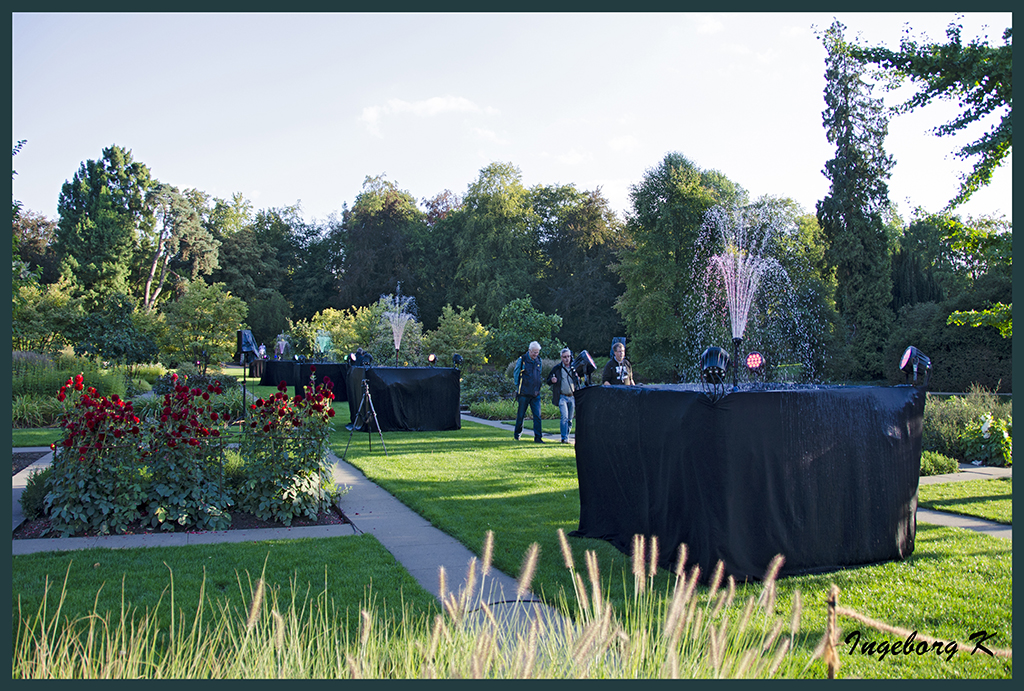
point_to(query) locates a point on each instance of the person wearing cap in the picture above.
(564, 384)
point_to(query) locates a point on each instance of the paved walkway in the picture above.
(420, 547)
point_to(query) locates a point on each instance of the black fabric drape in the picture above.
(293, 373)
(826, 477)
(408, 398)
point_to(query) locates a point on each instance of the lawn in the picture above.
(350, 570)
(988, 499)
(469, 481)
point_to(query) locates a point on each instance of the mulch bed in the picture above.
(23, 459)
(240, 520)
(32, 530)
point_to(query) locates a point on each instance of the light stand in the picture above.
(368, 413)
(736, 340)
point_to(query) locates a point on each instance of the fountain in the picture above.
(399, 312)
(743, 288)
(824, 475)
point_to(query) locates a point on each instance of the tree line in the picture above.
(128, 248)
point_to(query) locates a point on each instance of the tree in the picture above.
(377, 257)
(458, 332)
(851, 214)
(34, 236)
(579, 236)
(112, 335)
(180, 244)
(496, 242)
(202, 324)
(662, 298)
(983, 248)
(978, 75)
(103, 211)
(518, 324)
(46, 317)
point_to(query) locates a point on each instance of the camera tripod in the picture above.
(368, 415)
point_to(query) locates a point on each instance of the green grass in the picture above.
(350, 568)
(988, 499)
(546, 426)
(42, 436)
(476, 479)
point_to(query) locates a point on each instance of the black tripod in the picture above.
(366, 413)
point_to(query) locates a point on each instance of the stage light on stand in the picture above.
(584, 366)
(913, 362)
(755, 362)
(432, 359)
(714, 362)
(457, 360)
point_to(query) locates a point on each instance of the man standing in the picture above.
(618, 371)
(564, 383)
(528, 379)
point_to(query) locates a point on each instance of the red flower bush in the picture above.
(284, 449)
(96, 482)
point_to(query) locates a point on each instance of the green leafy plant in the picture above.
(284, 450)
(990, 440)
(33, 497)
(934, 463)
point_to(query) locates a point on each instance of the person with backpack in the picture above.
(528, 381)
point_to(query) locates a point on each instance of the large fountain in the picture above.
(824, 475)
(399, 312)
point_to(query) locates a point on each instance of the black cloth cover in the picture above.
(826, 477)
(407, 398)
(293, 373)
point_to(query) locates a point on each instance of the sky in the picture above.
(301, 108)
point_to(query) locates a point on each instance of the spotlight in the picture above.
(352, 358)
(584, 365)
(755, 362)
(714, 362)
(457, 360)
(913, 361)
(432, 359)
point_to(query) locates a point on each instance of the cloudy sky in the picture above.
(301, 108)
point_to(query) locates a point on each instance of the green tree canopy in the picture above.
(202, 324)
(660, 303)
(103, 212)
(518, 324)
(978, 76)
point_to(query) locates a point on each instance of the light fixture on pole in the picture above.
(432, 359)
(914, 362)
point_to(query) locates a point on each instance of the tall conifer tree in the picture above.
(851, 214)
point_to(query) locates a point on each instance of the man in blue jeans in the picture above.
(528, 379)
(564, 384)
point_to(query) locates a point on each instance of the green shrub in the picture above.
(150, 372)
(934, 463)
(946, 420)
(33, 498)
(188, 374)
(506, 410)
(284, 447)
(484, 386)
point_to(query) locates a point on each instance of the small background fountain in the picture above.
(399, 312)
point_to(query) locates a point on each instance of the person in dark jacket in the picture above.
(564, 383)
(528, 380)
(618, 371)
